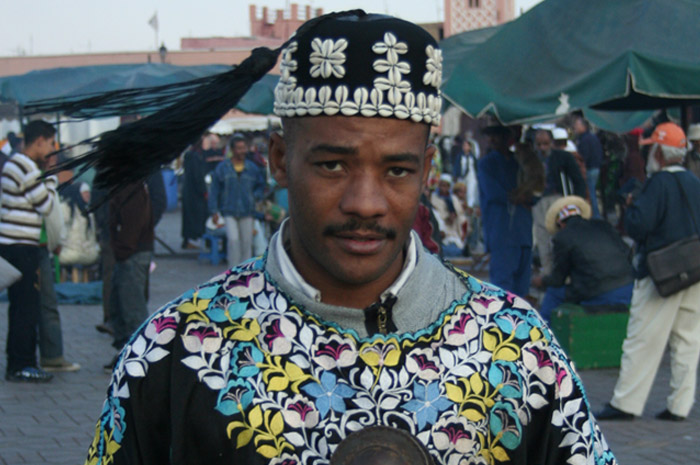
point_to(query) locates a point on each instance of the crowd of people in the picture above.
(355, 318)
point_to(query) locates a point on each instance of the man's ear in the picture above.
(429, 154)
(277, 155)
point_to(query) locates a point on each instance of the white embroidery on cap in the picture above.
(433, 66)
(327, 58)
(393, 83)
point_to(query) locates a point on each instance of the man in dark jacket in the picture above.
(562, 177)
(666, 210)
(591, 253)
(194, 194)
(131, 240)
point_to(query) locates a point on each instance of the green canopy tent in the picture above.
(564, 55)
(66, 84)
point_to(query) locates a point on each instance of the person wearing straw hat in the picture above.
(588, 253)
(666, 210)
(347, 322)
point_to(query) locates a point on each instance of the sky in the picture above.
(54, 27)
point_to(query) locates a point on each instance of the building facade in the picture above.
(465, 15)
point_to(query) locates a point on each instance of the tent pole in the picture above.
(684, 116)
(58, 128)
(21, 119)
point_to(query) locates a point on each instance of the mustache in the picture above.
(358, 225)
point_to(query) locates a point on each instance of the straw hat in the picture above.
(694, 132)
(550, 220)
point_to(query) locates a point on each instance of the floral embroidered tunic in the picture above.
(234, 372)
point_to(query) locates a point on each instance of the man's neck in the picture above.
(33, 155)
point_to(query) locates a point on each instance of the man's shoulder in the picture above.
(561, 154)
(492, 157)
(24, 164)
(217, 300)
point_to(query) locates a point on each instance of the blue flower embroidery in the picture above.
(235, 397)
(427, 403)
(207, 292)
(507, 376)
(511, 320)
(224, 307)
(244, 360)
(329, 394)
(113, 416)
(504, 421)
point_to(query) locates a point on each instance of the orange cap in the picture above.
(669, 134)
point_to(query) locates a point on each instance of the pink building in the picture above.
(465, 15)
(283, 24)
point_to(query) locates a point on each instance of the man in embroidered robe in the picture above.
(347, 322)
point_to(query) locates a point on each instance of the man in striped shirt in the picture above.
(25, 200)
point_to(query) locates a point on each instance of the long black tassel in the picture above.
(132, 151)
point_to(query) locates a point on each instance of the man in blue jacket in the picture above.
(235, 187)
(661, 214)
(507, 226)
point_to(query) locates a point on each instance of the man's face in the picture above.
(654, 160)
(579, 127)
(499, 142)
(460, 193)
(543, 143)
(354, 186)
(444, 188)
(466, 147)
(41, 147)
(239, 149)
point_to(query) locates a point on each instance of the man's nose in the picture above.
(365, 196)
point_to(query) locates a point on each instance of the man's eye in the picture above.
(333, 166)
(398, 172)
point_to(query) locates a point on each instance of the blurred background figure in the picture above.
(692, 158)
(507, 226)
(562, 177)
(592, 265)
(450, 216)
(590, 148)
(131, 236)
(237, 184)
(194, 193)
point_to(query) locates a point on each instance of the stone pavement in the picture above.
(54, 423)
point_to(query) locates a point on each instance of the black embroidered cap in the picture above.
(361, 65)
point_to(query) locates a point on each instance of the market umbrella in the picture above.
(564, 55)
(66, 84)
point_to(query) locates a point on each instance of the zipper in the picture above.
(382, 317)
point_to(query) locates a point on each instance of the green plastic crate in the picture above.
(592, 340)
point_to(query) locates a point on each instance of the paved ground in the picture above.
(54, 423)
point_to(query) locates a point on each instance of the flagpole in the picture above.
(153, 22)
